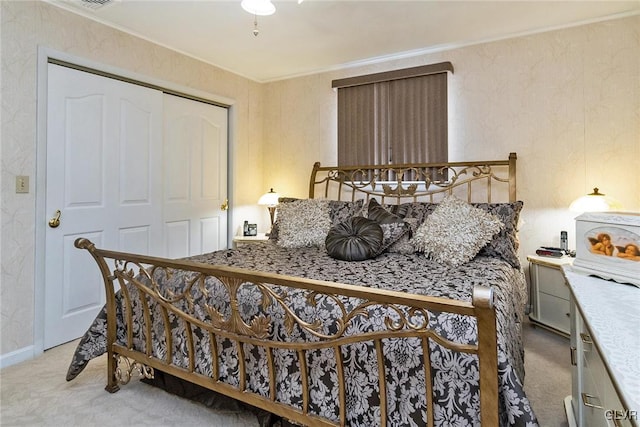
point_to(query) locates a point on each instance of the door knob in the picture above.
(55, 221)
(225, 205)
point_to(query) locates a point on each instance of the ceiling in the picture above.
(321, 35)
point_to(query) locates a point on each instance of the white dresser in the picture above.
(605, 350)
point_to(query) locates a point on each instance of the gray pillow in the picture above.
(355, 239)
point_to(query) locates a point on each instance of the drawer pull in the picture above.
(573, 356)
(586, 338)
(586, 401)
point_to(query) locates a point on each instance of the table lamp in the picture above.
(270, 200)
(595, 202)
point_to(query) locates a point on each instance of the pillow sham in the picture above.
(275, 228)
(505, 244)
(394, 228)
(455, 232)
(302, 223)
(418, 211)
(404, 244)
(340, 210)
(355, 239)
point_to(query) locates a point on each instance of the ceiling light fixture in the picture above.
(258, 7)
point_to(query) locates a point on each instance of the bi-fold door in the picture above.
(132, 169)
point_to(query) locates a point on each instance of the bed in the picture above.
(393, 295)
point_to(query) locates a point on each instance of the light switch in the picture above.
(22, 184)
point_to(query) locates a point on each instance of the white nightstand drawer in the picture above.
(549, 283)
(555, 312)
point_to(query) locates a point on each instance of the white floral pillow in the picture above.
(455, 232)
(303, 223)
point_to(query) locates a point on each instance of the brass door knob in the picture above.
(225, 205)
(55, 221)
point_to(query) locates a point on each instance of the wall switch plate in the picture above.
(22, 184)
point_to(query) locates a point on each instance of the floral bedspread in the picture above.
(455, 375)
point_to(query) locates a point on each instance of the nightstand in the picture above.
(247, 240)
(549, 294)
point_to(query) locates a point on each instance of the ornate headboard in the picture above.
(476, 181)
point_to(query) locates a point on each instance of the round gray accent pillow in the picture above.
(355, 239)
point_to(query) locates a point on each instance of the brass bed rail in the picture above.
(397, 183)
(137, 277)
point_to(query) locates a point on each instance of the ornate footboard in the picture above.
(243, 334)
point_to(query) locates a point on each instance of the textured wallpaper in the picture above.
(25, 26)
(567, 102)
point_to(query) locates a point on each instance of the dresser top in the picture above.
(611, 312)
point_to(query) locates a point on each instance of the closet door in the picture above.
(104, 182)
(195, 179)
(131, 169)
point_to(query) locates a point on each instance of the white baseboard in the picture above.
(17, 356)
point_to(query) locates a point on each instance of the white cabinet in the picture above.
(549, 293)
(605, 355)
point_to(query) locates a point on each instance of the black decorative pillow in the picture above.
(355, 239)
(396, 231)
(378, 213)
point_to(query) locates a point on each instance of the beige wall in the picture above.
(567, 101)
(26, 25)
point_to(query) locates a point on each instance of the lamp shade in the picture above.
(269, 199)
(258, 7)
(595, 202)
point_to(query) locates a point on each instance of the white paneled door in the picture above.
(106, 181)
(195, 178)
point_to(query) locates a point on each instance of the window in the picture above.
(394, 117)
